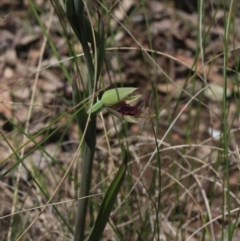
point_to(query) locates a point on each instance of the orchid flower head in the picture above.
(117, 101)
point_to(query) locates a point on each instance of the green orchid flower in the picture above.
(117, 101)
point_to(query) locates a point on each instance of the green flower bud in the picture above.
(115, 96)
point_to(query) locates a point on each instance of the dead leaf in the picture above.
(215, 92)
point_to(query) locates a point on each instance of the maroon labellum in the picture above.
(139, 111)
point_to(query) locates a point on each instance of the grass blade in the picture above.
(108, 202)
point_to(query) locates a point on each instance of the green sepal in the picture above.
(130, 99)
(114, 96)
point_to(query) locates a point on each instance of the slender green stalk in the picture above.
(74, 11)
(85, 33)
(87, 162)
(84, 191)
